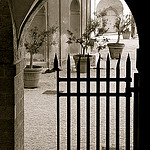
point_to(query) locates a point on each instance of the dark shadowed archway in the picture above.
(12, 64)
(142, 62)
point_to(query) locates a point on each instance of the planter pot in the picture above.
(32, 76)
(83, 62)
(126, 35)
(115, 49)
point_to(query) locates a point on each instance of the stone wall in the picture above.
(6, 106)
(19, 105)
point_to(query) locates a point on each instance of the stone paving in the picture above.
(40, 109)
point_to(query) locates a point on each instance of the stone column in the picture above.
(7, 73)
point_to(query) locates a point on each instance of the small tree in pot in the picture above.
(94, 26)
(122, 25)
(32, 44)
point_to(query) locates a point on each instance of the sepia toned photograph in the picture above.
(70, 75)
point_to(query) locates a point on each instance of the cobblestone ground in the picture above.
(40, 109)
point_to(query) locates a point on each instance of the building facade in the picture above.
(67, 15)
(70, 15)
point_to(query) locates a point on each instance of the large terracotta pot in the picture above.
(32, 76)
(115, 49)
(83, 62)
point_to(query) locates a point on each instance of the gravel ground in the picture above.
(40, 109)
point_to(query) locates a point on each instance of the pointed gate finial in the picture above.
(55, 62)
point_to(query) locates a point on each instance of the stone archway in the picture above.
(19, 78)
(112, 9)
(11, 75)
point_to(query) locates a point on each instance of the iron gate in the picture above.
(127, 94)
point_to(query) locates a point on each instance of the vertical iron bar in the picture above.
(68, 104)
(107, 101)
(58, 126)
(78, 104)
(88, 103)
(98, 106)
(136, 113)
(128, 94)
(117, 103)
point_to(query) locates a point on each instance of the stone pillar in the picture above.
(11, 83)
(19, 106)
(7, 73)
(85, 14)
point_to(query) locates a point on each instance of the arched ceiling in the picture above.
(22, 11)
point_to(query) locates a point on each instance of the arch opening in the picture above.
(14, 78)
(75, 23)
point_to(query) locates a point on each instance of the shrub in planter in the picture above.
(127, 23)
(126, 34)
(32, 44)
(122, 25)
(83, 62)
(95, 27)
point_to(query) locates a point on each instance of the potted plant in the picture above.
(126, 32)
(86, 40)
(122, 25)
(32, 44)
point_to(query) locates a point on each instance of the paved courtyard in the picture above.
(40, 108)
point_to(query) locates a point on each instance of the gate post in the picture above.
(137, 95)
